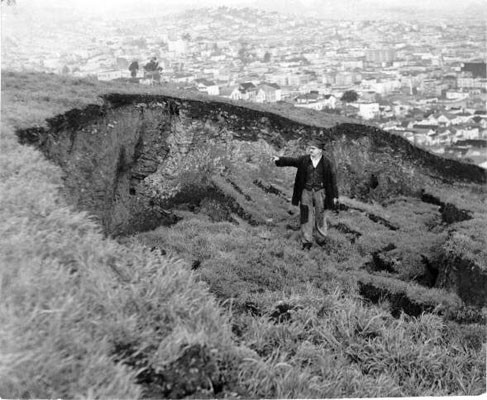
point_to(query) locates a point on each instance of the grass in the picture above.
(30, 97)
(330, 344)
(83, 315)
(70, 297)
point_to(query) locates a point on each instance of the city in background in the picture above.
(421, 78)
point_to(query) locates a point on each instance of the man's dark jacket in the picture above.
(329, 177)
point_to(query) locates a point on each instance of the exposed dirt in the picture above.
(197, 373)
(402, 303)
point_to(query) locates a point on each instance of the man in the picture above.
(315, 190)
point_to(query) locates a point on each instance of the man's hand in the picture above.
(335, 204)
(275, 158)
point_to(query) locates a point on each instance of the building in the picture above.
(227, 91)
(244, 91)
(206, 86)
(344, 79)
(476, 69)
(329, 101)
(178, 47)
(314, 100)
(466, 82)
(379, 56)
(183, 77)
(431, 87)
(268, 93)
(368, 110)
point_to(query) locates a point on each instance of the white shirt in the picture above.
(315, 161)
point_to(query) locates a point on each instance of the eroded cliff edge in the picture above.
(130, 161)
(122, 160)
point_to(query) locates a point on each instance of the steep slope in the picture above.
(137, 158)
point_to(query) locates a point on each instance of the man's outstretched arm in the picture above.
(285, 161)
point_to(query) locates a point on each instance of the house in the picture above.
(227, 91)
(236, 94)
(424, 127)
(368, 110)
(432, 139)
(312, 100)
(420, 139)
(268, 93)
(454, 103)
(248, 91)
(461, 118)
(206, 86)
(400, 110)
(467, 133)
(444, 136)
(183, 78)
(330, 101)
(445, 119)
(307, 98)
(455, 95)
(386, 112)
(431, 120)
(109, 75)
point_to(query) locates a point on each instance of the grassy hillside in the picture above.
(207, 308)
(70, 298)
(29, 98)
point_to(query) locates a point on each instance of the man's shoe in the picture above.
(306, 246)
(322, 241)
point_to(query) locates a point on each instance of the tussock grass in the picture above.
(28, 99)
(342, 348)
(330, 343)
(71, 297)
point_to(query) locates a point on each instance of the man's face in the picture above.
(314, 151)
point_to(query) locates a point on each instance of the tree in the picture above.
(152, 65)
(267, 57)
(349, 96)
(153, 70)
(133, 68)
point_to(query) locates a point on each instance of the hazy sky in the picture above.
(336, 9)
(117, 4)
